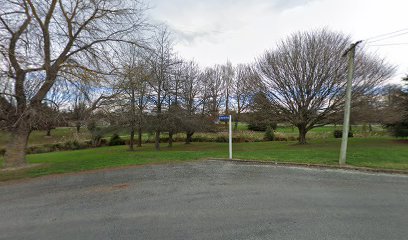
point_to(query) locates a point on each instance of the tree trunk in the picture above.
(132, 139)
(133, 121)
(78, 127)
(139, 137)
(370, 128)
(171, 139)
(157, 140)
(189, 137)
(48, 132)
(16, 147)
(302, 134)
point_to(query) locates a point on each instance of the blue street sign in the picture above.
(224, 118)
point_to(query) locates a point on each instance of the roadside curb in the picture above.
(311, 165)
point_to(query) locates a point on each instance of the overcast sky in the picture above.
(214, 31)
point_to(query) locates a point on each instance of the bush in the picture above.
(292, 138)
(116, 140)
(198, 138)
(261, 126)
(37, 149)
(269, 134)
(72, 145)
(221, 139)
(103, 142)
(2, 151)
(239, 139)
(399, 129)
(339, 134)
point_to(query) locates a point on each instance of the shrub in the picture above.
(198, 138)
(269, 134)
(58, 147)
(221, 139)
(261, 126)
(116, 140)
(103, 142)
(339, 134)
(399, 129)
(239, 139)
(72, 145)
(292, 138)
(2, 151)
(281, 139)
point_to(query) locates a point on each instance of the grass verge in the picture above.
(385, 153)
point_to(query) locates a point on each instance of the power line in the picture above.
(386, 34)
(391, 36)
(387, 44)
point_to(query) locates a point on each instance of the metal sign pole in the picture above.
(228, 118)
(230, 137)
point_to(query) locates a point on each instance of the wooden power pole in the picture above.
(350, 52)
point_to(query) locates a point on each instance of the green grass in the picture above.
(327, 131)
(365, 152)
(64, 134)
(58, 135)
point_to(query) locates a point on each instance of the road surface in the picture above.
(207, 200)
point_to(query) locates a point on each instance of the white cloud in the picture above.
(213, 31)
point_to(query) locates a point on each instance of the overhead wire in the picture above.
(386, 34)
(389, 37)
(388, 44)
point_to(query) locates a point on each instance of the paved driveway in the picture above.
(207, 200)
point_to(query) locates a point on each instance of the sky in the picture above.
(216, 31)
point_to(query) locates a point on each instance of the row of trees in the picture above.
(157, 91)
(94, 57)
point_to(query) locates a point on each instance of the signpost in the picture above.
(228, 118)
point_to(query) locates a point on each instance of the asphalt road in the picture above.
(207, 200)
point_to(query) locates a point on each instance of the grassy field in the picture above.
(61, 135)
(366, 152)
(58, 135)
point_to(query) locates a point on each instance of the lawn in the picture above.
(365, 152)
(58, 135)
(64, 134)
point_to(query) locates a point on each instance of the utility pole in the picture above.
(350, 52)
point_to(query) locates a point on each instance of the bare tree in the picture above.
(174, 113)
(214, 91)
(393, 107)
(50, 115)
(135, 92)
(78, 110)
(55, 37)
(227, 75)
(304, 77)
(190, 99)
(244, 87)
(161, 61)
